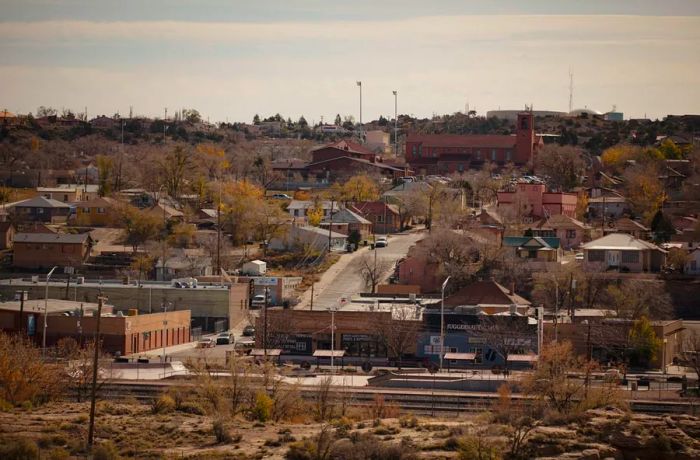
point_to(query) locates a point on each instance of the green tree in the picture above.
(302, 122)
(139, 226)
(643, 342)
(338, 120)
(661, 227)
(256, 119)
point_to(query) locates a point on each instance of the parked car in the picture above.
(206, 343)
(281, 196)
(579, 256)
(249, 331)
(381, 242)
(224, 338)
(259, 300)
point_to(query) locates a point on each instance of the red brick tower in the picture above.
(525, 138)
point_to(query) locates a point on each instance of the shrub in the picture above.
(105, 451)
(221, 432)
(18, 449)
(263, 407)
(58, 453)
(408, 421)
(189, 407)
(163, 405)
(301, 450)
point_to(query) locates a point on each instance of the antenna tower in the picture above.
(571, 91)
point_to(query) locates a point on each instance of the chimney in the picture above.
(512, 288)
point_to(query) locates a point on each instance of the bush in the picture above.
(105, 451)
(408, 421)
(302, 450)
(58, 453)
(263, 407)
(191, 408)
(18, 449)
(221, 432)
(163, 405)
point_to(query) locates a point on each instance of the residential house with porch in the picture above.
(625, 253)
(570, 232)
(347, 222)
(41, 209)
(534, 248)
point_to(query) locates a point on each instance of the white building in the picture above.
(311, 237)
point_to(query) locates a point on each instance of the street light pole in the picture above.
(95, 363)
(396, 123)
(332, 310)
(442, 319)
(46, 310)
(359, 83)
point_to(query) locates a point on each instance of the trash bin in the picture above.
(633, 386)
(371, 245)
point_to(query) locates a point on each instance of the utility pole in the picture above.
(267, 294)
(330, 226)
(21, 311)
(312, 295)
(95, 362)
(46, 311)
(218, 232)
(333, 310)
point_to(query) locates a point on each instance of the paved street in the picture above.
(344, 280)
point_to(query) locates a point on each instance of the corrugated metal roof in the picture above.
(43, 238)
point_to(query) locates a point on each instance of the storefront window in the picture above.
(362, 345)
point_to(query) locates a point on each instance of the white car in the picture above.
(578, 256)
(259, 300)
(381, 242)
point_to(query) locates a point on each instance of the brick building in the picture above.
(449, 153)
(528, 202)
(41, 250)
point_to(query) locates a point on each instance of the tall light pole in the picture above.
(442, 319)
(396, 123)
(359, 83)
(46, 310)
(333, 309)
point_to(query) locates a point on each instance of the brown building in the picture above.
(385, 218)
(302, 332)
(99, 211)
(41, 250)
(120, 334)
(607, 339)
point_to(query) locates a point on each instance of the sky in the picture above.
(233, 59)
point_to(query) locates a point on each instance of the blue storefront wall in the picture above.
(468, 333)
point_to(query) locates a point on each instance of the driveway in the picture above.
(343, 278)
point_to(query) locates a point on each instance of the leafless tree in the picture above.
(691, 351)
(398, 332)
(632, 299)
(372, 270)
(508, 335)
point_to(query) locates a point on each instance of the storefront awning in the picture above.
(523, 358)
(261, 352)
(329, 353)
(460, 356)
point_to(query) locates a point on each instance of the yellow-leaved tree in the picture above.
(644, 191)
(239, 203)
(359, 188)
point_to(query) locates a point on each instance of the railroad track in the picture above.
(413, 400)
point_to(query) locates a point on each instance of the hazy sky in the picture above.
(232, 59)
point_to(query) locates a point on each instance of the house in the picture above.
(206, 218)
(531, 201)
(489, 297)
(417, 269)
(450, 153)
(41, 209)
(65, 194)
(100, 212)
(353, 221)
(692, 266)
(534, 248)
(610, 207)
(183, 265)
(623, 252)
(303, 236)
(385, 218)
(43, 250)
(570, 232)
(626, 225)
(7, 234)
(165, 212)
(299, 209)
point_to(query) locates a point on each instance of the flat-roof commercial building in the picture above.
(120, 334)
(213, 307)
